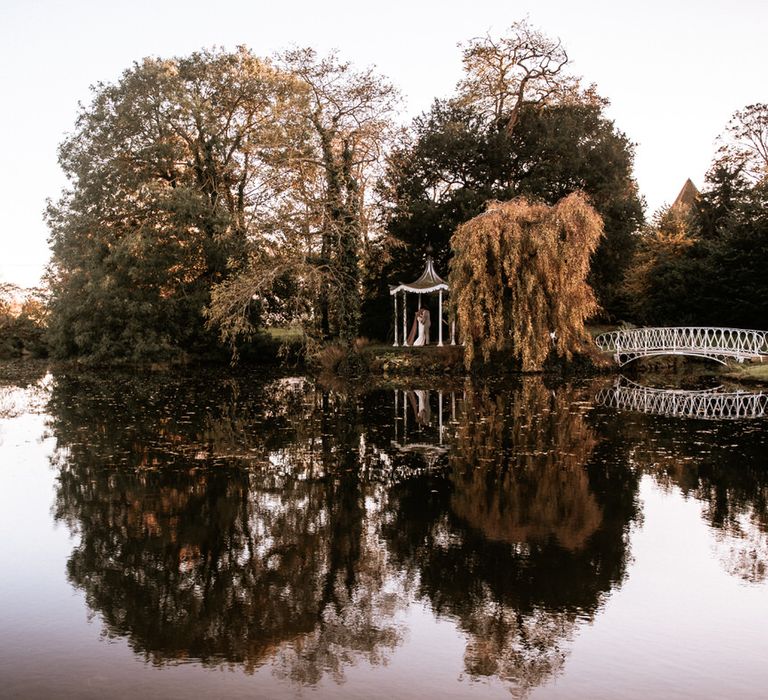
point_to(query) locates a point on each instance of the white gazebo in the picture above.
(429, 283)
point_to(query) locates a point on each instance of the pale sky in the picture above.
(673, 70)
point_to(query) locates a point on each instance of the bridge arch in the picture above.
(718, 344)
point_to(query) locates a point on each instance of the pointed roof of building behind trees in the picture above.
(687, 197)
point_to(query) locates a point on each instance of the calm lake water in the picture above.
(254, 537)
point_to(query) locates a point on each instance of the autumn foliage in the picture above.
(518, 276)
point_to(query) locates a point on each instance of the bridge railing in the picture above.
(708, 404)
(732, 342)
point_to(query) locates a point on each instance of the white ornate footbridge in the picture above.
(712, 404)
(719, 344)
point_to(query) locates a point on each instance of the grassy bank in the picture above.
(756, 373)
(376, 359)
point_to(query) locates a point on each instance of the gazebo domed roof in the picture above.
(429, 281)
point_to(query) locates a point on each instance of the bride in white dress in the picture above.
(422, 319)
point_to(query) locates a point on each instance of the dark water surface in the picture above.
(211, 536)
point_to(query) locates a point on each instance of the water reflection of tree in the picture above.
(144, 422)
(519, 468)
(526, 536)
(256, 522)
(723, 466)
(223, 521)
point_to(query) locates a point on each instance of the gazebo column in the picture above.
(397, 417)
(440, 414)
(405, 417)
(394, 297)
(440, 319)
(405, 321)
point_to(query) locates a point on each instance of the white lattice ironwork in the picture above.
(718, 344)
(710, 404)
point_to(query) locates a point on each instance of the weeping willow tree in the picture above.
(518, 279)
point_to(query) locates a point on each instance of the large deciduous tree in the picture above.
(520, 124)
(349, 117)
(522, 67)
(328, 218)
(518, 279)
(171, 174)
(745, 141)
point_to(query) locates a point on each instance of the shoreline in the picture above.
(378, 362)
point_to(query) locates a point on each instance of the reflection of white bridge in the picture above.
(709, 403)
(718, 344)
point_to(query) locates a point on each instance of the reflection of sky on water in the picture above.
(17, 401)
(680, 625)
(681, 619)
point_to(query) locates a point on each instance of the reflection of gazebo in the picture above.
(420, 437)
(429, 283)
